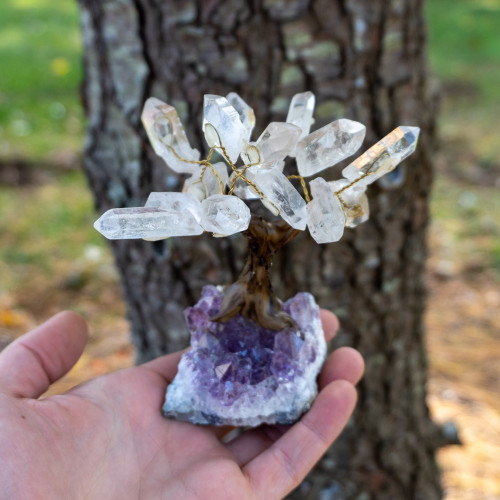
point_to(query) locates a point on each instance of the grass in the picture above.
(467, 225)
(45, 228)
(465, 55)
(40, 60)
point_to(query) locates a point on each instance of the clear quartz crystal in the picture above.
(357, 213)
(147, 222)
(351, 193)
(224, 215)
(176, 203)
(354, 201)
(325, 215)
(211, 183)
(329, 145)
(228, 124)
(167, 136)
(247, 116)
(384, 156)
(222, 126)
(301, 111)
(244, 190)
(279, 195)
(275, 143)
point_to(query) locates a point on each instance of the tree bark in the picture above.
(365, 60)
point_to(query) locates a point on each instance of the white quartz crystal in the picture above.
(329, 145)
(275, 143)
(176, 203)
(224, 215)
(354, 201)
(384, 156)
(228, 123)
(357, 213)
(167, 136)
(222, 126)
(351, 193)
(325, 216)
(247, 116)
(279, 195)
(301, 111)
(244, 190)
(147, 222)
(211, 182)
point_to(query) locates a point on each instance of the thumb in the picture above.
(34, 361)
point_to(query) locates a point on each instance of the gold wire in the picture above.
(366, 174)
(239, 173)
(206, 163)
(303, 184)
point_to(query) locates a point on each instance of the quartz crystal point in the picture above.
(325, 215)
(176, 203)
(244, 190)
(211, 183)
(301, 112)
(354, 201)
(384, 156)
(277, 141)
(222, 126)
(358, 213)
(247, 116)
(167, 136)
(147, 222)
(240, 374)
(279, 195)
(224, 215)
(329, 145)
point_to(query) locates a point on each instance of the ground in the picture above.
(52, 259)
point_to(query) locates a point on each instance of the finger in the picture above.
(280, 468)
(34, 361)
(343, 364)
(330, 324)
(165, 366)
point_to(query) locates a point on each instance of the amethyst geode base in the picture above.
(238, 373)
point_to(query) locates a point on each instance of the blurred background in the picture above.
(51, 258)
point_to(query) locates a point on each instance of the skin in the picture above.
(107, 439)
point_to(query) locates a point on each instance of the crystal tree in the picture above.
(253, 358)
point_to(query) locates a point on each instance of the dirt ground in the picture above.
(464, 387)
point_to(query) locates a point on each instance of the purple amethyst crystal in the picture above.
(238, 373)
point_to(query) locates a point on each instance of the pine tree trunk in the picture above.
(364, 59)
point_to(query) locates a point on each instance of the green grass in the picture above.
(467, 217)
(45, 227)
(464, 50)
(40, 61)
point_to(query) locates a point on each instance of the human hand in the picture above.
(107, 439)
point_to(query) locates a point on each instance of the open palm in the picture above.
(107, 439)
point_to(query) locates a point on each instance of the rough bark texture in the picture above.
(364, 59)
